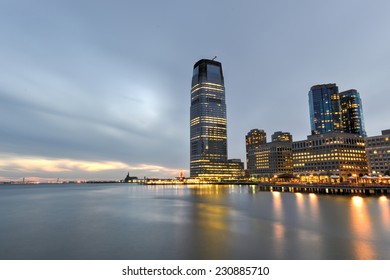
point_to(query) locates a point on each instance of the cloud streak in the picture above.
(64, 167)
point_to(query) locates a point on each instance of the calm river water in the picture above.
(125, 221)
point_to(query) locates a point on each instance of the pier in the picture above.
(324, 188)
(374, 190)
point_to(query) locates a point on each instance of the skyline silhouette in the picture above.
(94, 90)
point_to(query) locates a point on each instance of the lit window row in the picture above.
(208, 89)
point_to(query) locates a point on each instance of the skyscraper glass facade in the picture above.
(208, 121)
(352, 112)
(325, 111)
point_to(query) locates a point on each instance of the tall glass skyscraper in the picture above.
(208, 121)
(352, 112)
(325, 111)
(331, 111)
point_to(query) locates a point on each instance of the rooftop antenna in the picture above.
(214, 57)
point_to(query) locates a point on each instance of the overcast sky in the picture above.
(95, 89)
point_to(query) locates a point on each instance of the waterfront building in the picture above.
(255, 137)
(208, 148)
(130, 179)
(327, 157)
(352, 112)
(324, 107)
(280, 136)
(331, 111)
(236, 169)
(270, 160)
(378, 153)
(253, 140)
(208, 120)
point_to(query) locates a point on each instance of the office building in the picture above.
(352, 112)
(327, 157)
(325, 111)
(255, 137)
(280, 136)
(331, 111)
(378, 153)
(208, 159)
(253, 140)
(235, 169)
(268, 160)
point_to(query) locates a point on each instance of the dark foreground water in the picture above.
(124, 221)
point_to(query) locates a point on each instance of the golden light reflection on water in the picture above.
(208, 190)
(309, 220)
(212, 216)
(279, 234)
(300, 204)
(212, 229)
(385, 212)
(313, 200)
(307, 206)
(357, 201)
(278, 227)
(218, 225)
(313, 196)
(361, 229)
(277, 205)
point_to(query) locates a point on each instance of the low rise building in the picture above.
(327, 157)
(378, 153)
(270, 160)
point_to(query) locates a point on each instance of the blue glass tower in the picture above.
(352, 112)
(325, 111)
(208, 121)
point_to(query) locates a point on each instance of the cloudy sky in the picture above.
(97, 88)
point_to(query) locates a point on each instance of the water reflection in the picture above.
(300, 204)
(361, 229)
(211, 221)
(314, 208)
(190, 222)
(385, 212)
(208, 190)
(277, 206)
(278, 227)
(211, 231)
(306, 206)
(313, 198)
